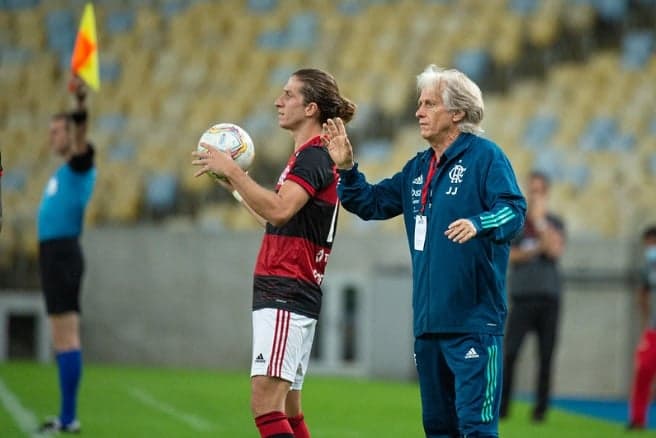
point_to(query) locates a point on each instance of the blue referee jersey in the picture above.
(66, 196)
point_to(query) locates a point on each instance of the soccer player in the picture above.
(645, 355)
(461, 206)
(60, 219)
(535, 286)
(300, 216)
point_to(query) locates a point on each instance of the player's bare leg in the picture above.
(65, 331)
(268, 395)
(295, 414)
(65, 328)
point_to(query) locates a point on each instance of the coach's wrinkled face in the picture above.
(59, 136)
(292, 109)
(435, 121)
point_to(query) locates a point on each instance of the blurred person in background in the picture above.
(645, 355)
(300, 217)
(61, 263)
(0, 191)
(461, 206)
(535, 287)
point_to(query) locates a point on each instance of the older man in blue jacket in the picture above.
(461, 205)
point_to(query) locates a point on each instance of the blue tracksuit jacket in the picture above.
(457, 288)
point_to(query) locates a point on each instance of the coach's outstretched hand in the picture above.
(336, 141)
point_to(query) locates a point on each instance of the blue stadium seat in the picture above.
(375, 150)
(110, 70)
(61, 30)
(14, 179)
(161, 192)
(302, 30)
(279, 75)
(113, 122)
(539, 131)
(260, 123)
(549, 161)
(652, 164)
(637, 48)
(622, 142)
(120, 21)
(15, 56)
(272, 39)
(59, 20)
(171, 8)
(598, 134)
(652, 127)
(523, 7)
(576, 175)
(124, 150)
(472, 62)
(18, 4)
(262, 6)
(611, 10)
(350, 7)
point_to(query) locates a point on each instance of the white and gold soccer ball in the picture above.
(232, 138)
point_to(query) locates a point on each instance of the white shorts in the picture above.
(282, 342)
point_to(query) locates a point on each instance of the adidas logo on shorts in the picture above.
(471, 354)
(260, 358)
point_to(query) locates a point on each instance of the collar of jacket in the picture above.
(460, 144)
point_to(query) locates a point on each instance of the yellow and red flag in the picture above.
(84, 62)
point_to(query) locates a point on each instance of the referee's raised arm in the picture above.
(79, 116)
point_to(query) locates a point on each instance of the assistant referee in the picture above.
(60, 220)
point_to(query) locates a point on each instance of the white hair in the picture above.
(459, 93)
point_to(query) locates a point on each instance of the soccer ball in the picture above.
(229, 137)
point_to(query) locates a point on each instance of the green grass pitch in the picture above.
(119, 401)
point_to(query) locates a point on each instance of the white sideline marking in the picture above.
(191, 420)
(24, 418)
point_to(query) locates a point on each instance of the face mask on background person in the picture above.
(650, 254)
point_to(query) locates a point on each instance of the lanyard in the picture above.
(424, 192)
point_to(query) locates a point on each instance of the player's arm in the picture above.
(79, 115)
(260, 220)
(275, 208)
(368, 201)
(379, 201)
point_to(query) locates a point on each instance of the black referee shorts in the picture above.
(62, 265)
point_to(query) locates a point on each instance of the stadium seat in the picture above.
(473, 62)
(120, 21)
(17, 5)
(539, 131)
(161, 191)
(637, 48)
(611, 10)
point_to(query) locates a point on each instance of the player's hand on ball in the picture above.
(337, 142)
(212, 160)
(461, 231)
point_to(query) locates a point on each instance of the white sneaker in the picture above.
(53, 425)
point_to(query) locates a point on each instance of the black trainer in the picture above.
(635, 426)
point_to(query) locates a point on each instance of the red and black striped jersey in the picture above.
(292, 259)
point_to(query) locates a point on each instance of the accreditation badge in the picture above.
(420, 232)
